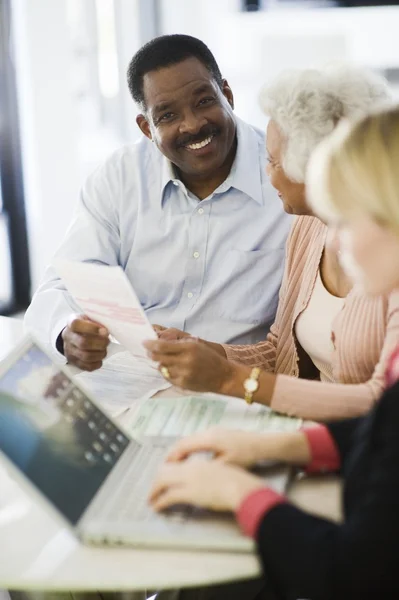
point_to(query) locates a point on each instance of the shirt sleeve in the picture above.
(93, 236)
(392, 371)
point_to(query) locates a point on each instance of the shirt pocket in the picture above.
(251, 281)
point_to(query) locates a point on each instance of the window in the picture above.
(14, 257)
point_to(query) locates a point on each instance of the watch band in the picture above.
(251, 385)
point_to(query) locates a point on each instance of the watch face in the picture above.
(251, 385)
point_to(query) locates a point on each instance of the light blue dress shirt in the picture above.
(211, 267)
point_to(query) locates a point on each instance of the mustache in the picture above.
(205, 132)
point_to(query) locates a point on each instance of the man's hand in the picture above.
(85, 343)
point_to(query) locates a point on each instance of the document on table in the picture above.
(105, 295)
(184, 415)
(122, 381)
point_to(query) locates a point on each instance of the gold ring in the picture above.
(165, 372)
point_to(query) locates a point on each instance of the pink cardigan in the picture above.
(365, 332)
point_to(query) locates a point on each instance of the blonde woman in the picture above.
(326, 353)
(354, 183)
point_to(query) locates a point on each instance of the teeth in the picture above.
(201, 144)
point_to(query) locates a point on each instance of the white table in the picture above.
(11, 331)
(36, 553)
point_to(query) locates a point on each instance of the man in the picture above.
(187, 212)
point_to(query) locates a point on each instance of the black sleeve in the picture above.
(59, 344)
(343, 433)
(308, 557)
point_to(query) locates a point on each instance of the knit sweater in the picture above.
(364, 334)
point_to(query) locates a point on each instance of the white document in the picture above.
(184, 415)
(105, 295)
(122, 381)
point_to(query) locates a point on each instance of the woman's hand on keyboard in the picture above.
(244, 448)
(239, 448)
(206, 484)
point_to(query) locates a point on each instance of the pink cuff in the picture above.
(324, 452)
(254, 507)
(392, 370)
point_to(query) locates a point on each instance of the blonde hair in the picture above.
(306, 104)
(356, 171)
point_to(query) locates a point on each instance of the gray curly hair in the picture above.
(306, 104)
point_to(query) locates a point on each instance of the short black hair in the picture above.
(165, 51)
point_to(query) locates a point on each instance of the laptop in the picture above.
(81, 466)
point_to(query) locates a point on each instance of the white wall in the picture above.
(205, 19)
(250, 48)
(129, 42)
(59, 146)
(49, 135)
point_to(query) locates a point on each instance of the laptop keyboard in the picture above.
(129, 500)
(124, 498)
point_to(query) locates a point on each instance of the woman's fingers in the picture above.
(182, 351)
(168, 476)
(171, 497)
(176, 356)
(201, 442)
(173, 335)
(195, 366)
(208, 484)
(163, 347)
(170, 333)
(179, 484)
(159, 329)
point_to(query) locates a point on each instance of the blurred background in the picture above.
(64, 103)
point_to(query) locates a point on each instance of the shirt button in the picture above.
(175, 183)
(190, 295)
(196, 254)
(200, 211)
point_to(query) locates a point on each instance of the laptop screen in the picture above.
(54, 434)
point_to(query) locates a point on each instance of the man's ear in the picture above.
(227, 93)
(144, 126)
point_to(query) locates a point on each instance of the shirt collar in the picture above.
(168, 173)
(245, 173)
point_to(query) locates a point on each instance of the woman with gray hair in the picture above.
(326, 353)
(304, 556)
(306, 105)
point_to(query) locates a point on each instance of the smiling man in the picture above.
(187, 211)
(188, 114)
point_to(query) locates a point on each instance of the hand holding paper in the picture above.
(85, 343)
(106, 296)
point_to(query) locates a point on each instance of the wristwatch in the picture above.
(251, 385)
